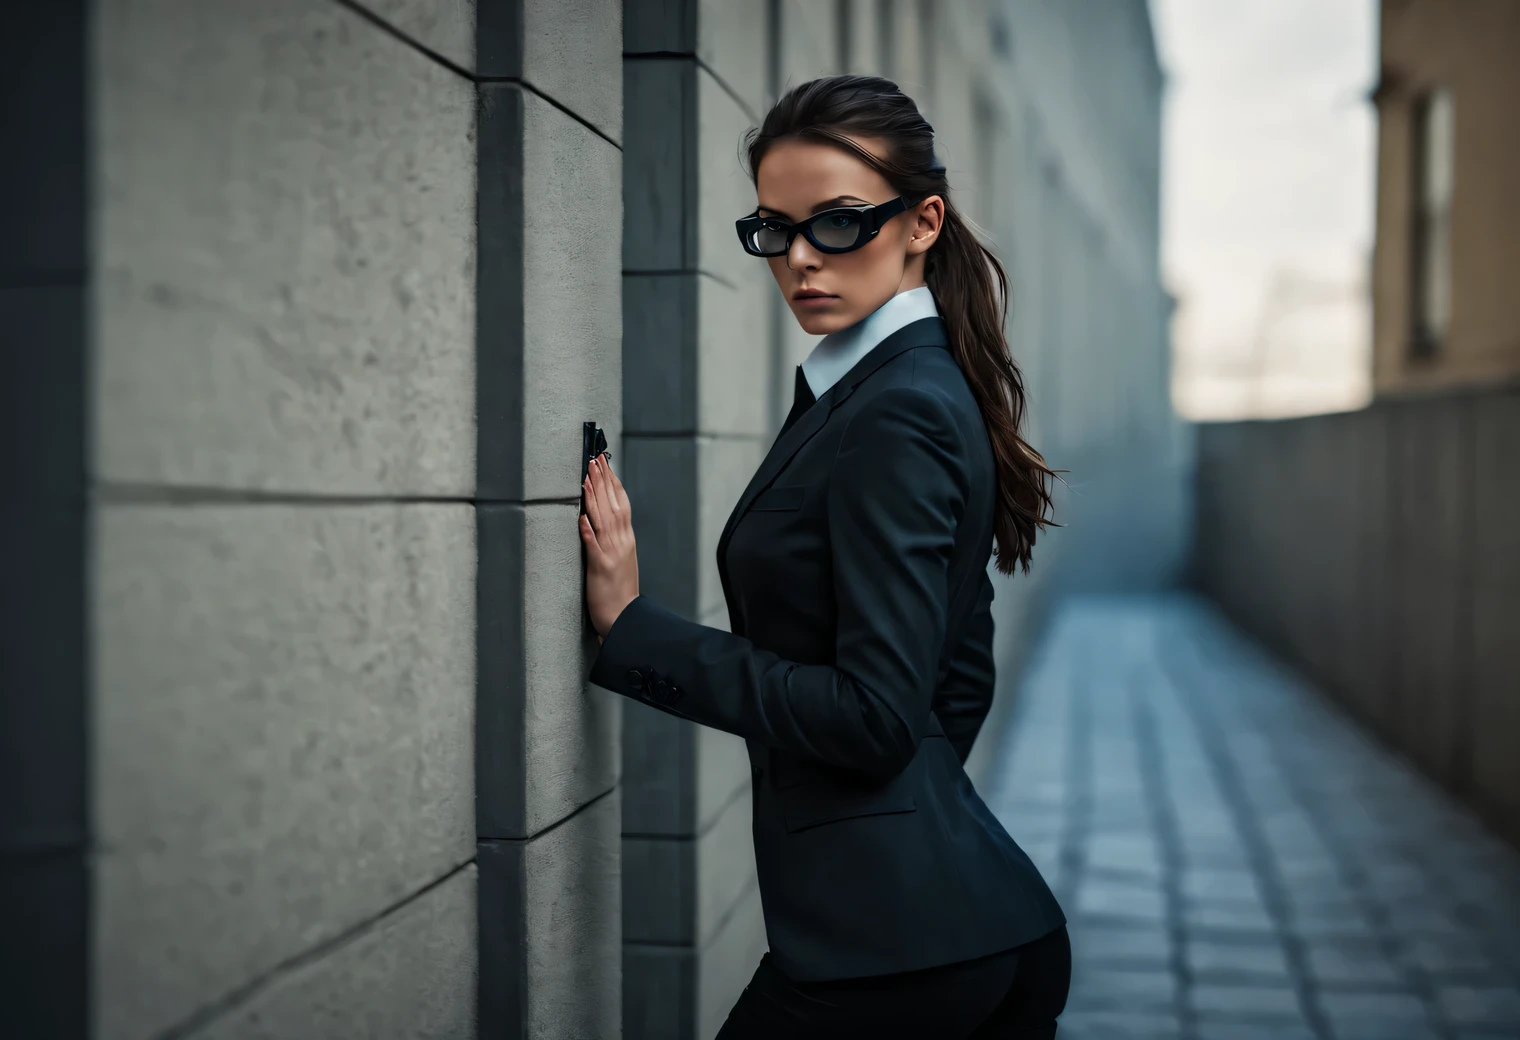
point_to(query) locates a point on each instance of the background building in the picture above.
(311, 299)
(1448, 226)
(1376, 549)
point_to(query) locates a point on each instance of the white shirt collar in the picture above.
(837, 353)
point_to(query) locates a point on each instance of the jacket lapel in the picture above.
(926, 332)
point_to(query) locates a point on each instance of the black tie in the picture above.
(802, 400)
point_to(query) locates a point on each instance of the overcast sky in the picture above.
(1267, 200)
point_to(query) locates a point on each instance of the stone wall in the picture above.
(355, 288)
(696, 399)
(1376, 551)
(44, 276)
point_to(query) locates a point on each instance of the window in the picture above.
(1431, 246)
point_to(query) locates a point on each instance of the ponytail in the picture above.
(961, 273)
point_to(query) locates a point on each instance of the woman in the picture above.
(858, 665)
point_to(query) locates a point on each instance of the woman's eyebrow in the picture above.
(819, 208)
(837, 200)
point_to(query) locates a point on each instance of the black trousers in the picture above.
(1016, 994)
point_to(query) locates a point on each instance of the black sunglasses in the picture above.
(832, 231)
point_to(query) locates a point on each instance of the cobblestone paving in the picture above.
(1237, 859)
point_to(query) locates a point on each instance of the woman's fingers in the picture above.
(588, 535)
(605, 489)
(609, 512)
(594, 504)
(622, 495)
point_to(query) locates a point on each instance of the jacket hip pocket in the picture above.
(806, 807)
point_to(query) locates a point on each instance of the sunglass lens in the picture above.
(768, 238)
(837, 230)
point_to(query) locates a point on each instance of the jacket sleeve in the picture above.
(965, 694)
(896, 493)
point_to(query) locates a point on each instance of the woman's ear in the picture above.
(929, 217)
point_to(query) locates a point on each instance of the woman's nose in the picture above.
(802, 256)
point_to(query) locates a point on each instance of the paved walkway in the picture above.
(1237, 859)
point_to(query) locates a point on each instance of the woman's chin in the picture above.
(821, 323)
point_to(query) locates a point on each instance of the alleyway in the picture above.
(1238, 860)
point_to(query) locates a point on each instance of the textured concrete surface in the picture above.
(571, 727)
(409, 974)
(659, 92)
(722, 767)
(283, 720)
(685, 991)
(1431, 519)
(572, 53)
(696, 399)
(724, 468)
(728, 41)
(562, 49)
(724, 190)
(43, 752)
(284, 238)
(1374, 549)
(573, 905)
(734, 365)
(572, 304)
(658, 764)
(1237, 859)
(445, 27)
(690, 886)
(1496, 677)
(659, 313)
(729, 960)
(809, 39)
(660, 474)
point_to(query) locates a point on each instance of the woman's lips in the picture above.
(814, 300)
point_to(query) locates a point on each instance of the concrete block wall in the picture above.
(1376, 551)
(697, 351)
(44, 274)
(354, 288)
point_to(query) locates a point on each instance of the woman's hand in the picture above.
(612, 561)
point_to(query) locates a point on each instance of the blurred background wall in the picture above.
(1377, 549)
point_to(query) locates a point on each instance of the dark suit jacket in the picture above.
(858, 668)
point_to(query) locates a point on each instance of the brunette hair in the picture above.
(968, 282)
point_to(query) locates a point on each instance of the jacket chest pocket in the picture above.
(785, 499)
